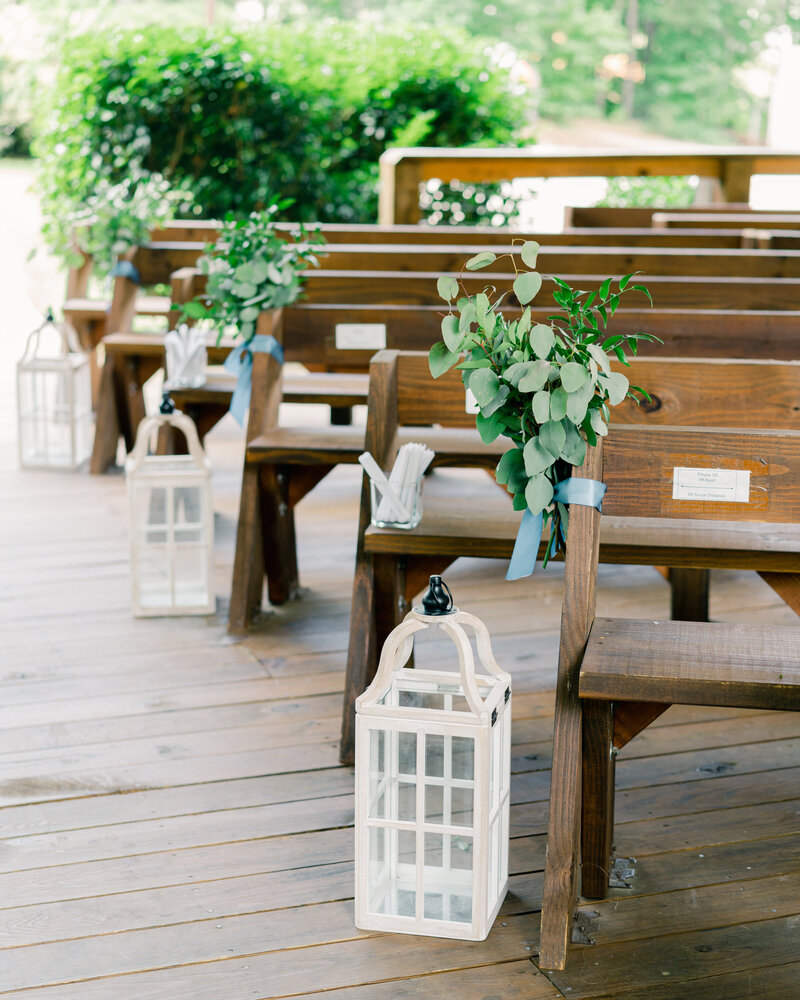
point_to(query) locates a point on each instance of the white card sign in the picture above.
(719, 485)
(472, 403)
(360, 336)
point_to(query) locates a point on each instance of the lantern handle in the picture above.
(466, 665)
(484, 644)
(175, 419)
(69, 338)
(396, 649)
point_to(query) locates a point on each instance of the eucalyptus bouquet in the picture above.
(252, 267)
(546, 386)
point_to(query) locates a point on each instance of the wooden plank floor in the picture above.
(174, 824)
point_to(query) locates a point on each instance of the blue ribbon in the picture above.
(240, 363)
(126, 269)
(587, 492)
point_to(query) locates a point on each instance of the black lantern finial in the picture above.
(438, 599)
(167, 403)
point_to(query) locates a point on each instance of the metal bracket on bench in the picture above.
(623, 871)
(584, 925)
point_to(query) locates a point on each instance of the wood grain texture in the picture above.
(748, 666)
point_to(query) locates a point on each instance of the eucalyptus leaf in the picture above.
(451, 335)
(516, 371)
(467, 318)
(525, 321)
(542, 339)
(489, 427)
(573, 376)
(617, 386)
(440, 359)
(600, 357)
(530, 250)
(574, 448)
(244, 289)
(578, 402)
(483, 309)
(535, 378)
(552, 437)
(558, 404)
(482, 259)
(249, 315)
(599, 426)
(497, 402)
(526, 285)
(541, 406)
(484, 385)
(538, 493)
(519, 502)
(509, 461)
(537, 457)
(447, 287)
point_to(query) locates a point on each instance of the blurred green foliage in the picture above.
(658, 192)
(243, 118)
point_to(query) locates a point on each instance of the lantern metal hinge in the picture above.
(494, 716)
(623, 871)
(584, 926)
(507, 694)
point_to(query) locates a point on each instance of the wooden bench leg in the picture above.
(106, 429)
(597, 805)
(362, 652)
(248, 566)
(279, 545)
(689, 594)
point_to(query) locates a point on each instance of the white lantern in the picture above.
(54, 399)
(433, 752)
(171, 522)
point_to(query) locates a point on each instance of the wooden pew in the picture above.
(392, 565)
(727, 220)
(605, 216)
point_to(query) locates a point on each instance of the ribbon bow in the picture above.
(587, 492)
(240, 363)
(126, 269)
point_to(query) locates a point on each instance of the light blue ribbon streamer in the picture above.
(126, 269)
(587, 492)
(240, 363)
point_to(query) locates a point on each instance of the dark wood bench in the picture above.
(616, 676)
(393, 565)
(641, 216)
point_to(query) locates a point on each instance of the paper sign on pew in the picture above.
(360, 336)
(718, 485)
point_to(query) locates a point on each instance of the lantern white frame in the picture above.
(485, 719)
(159, 543)
(54, 403)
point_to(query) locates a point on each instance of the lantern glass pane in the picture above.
(406, 801)
(377, 774)
(407, 753)
(191, 577)
(434, 804)
(463, 758)
(434, 755)
(447, 878)
(421, 699)
(462, 806)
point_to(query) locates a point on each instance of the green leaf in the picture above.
(541, 406)
(558, 404)
(537, 457)
(440, 359)
(468, 317)
(244, 289)
(526, 285)
(482, 259)
(538, 493)
(520, 503)
(646, 291)
(483, 310)
(524, 323)
(484, 385)
(535, 378)
(510, 461)
(573, 376)
(578, 403)
(604, 288)
(542, 338)
(574, 448)
(598, 424)
(617, 387)
(447, 287)
(451, 334)
(529, 252)
(600, 357)
(623, 282)
(497, 402)
(471, 363)
(194, 310)
(552, 437)
(249, 315)
(489, 427)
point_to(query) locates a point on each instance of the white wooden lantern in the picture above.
(171, 522)
(54, 399)
(433, 754)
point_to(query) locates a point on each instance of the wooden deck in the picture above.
(175, 823)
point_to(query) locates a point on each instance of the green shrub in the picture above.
(243, 119)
